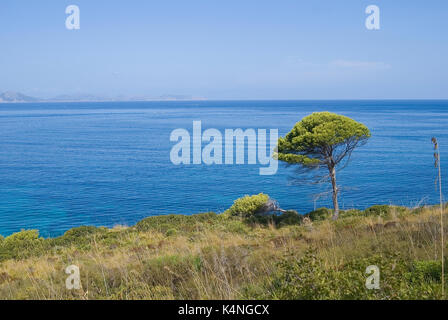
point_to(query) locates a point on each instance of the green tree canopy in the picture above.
(322, 139)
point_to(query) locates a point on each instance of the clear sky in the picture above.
(226, 49)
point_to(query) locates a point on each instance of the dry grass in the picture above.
(222, 259)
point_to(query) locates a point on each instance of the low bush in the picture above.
(248, 206)
(176, 222)
(384, 211)
(309, 278)
(260, 209)
(428, 270)
(351, 213)
(320, 214)
(287, 218)
(21, 245)
(170, 232)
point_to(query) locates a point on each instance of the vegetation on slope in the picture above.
(240, 254)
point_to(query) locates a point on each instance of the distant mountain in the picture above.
(175, 97)
(10, 96)
(81, 97)
(85, 97)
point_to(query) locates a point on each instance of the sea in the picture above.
(64, 165)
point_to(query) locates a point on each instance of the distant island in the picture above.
(10, 96)
(17, 97)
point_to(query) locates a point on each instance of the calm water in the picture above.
(64, 165)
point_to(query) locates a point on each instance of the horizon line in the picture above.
(214, 100)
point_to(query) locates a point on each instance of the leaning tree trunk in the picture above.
(335, 192)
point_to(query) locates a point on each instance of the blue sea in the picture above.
(64, 165)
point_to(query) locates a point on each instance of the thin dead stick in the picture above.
(437, 163)
(441, 225)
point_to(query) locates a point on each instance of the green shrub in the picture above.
(80, 232)
(182, 223)
(23, 236)
(80, 237)
(428, 270)
(232, 225)
(259, 219)
(349, 222)
(320, 214)
(351, 213)
(384, 211)
(248, 206)
(377, 211)
(170, 232)
(21, 245)
(309, 278)
(284, 219)
(290, 217)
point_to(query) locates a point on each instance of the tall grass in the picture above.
(211, 256)
(438, 166)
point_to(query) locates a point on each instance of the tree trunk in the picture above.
(335, 192)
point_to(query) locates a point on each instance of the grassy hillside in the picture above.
(239, 254)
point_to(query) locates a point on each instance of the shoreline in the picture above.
(319, 213)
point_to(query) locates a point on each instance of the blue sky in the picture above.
(245, 49)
